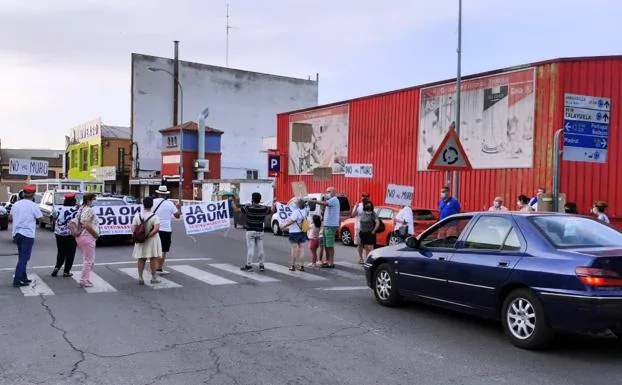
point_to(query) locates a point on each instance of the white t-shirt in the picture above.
(357, 219)
(25, 214)
(297, 216)
(406, 215)
(165, 212)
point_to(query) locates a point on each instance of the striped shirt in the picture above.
(255, 216)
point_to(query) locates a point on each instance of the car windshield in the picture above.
(59, 198)
(109, 202)
(566, 231)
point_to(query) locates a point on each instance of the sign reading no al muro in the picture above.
(28, 167)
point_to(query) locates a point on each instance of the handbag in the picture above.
(402, 231)
(75, 225)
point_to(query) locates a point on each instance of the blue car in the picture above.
(537, 273)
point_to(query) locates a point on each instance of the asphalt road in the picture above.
(323, 329)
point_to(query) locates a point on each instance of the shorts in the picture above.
(165, 238)
(297, 238)
(314, 244)
(367, 238)
(329, 236)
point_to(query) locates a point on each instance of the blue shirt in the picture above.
(449, 207)
(331, 214)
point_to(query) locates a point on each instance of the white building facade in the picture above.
(242, 104)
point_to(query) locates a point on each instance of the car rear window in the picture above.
(59, 198)
(569, 231)
(423, 215)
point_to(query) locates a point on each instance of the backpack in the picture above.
(140, 232)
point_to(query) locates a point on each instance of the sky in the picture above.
(64, 62)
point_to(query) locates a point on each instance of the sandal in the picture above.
(293, 268)
(154, 281)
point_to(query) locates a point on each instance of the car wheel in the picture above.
(385, 287)
(524, 320)
(276, 230)
(346, 237)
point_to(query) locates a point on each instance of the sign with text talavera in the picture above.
(586, 128)
(399, 195)
(206, 217)
(355, 170)
(28, 167)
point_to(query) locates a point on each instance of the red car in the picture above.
(424, 218)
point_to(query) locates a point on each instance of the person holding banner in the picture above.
(65, 241)
(151, 249)
(331, 224)
(298, 227)
(255, 217)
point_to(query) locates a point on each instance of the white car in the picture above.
(317, 210)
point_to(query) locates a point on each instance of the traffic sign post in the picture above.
(450, 155)
(586, 128)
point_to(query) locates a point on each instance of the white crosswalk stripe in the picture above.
(164, 283)
(99, 285)
(250, 275)
(201, 275)
(299, 274)
(37, 287)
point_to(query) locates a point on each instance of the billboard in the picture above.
(497, 120)
(328, 146)
(88, 132)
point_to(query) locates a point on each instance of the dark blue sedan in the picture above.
(537, 273)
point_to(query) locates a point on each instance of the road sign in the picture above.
(586, 128)
(358, 170)
(28, 167)
(450, 155)
(274, 164)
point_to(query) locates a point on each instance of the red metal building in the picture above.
(384, 130)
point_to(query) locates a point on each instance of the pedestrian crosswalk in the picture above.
(183, 274)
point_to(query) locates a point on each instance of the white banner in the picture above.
(283, 213)
(28, 167)
(354, 170)
(206, 217)
(116, 220)
(399, 195)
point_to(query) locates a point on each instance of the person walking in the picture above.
(330, 225)
(297, 234)
(25, 214)
(369, 226)
(151, 248)
(166, 211)
(357, 212)
(255, 218)
(65, 241)
(448, 205)
(600, 209)
(314, 239)
(497, 205)
(88, 225)
(523, 204)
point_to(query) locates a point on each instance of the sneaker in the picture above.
(20, 284)
(67, 275)
(293, 268)
(301, 268)
(55, 272)
(262, 267)
(246, 268)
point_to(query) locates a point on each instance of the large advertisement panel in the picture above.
(497, 120)
(329, 141)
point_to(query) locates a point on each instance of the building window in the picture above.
(84, 158)
(121, 159)
(95, 155)
(74, 158)
(252, 174)
(171, 141)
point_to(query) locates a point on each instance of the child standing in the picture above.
(314, 238)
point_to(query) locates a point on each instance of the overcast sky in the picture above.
(63, 62)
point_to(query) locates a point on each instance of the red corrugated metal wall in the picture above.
(383, 131)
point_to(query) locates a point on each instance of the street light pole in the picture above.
(458, 92)
(181, 130)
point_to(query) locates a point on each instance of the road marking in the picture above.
(201, 275)
(344, 274)
(297, 274)
(164, 284)
(343, 288)
(99, 285)
(259, 277)
(112, 263)
(351, 265)
(37, 287)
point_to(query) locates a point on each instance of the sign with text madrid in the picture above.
(586, 128)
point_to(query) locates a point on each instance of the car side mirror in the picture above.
(413, 243)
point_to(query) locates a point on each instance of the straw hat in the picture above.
(162, 190)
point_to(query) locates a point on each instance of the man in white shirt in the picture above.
(405, 218)
(25, 213)
(166, 211)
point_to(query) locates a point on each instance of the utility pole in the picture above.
(458, 92)
(227, 28)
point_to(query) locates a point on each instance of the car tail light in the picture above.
(598, 277)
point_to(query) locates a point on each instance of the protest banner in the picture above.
(399, 195)
(65, 213)
(206, 217)
(116, 220)
(356, 170)
(283, 213)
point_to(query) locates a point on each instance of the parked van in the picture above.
(314, 210)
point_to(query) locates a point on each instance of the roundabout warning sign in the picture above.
(450, 155)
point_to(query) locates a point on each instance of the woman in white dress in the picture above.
(152, 247)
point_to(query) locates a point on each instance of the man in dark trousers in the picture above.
(255, 219)
(25, 213)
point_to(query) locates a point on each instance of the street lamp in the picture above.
(181, 129)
